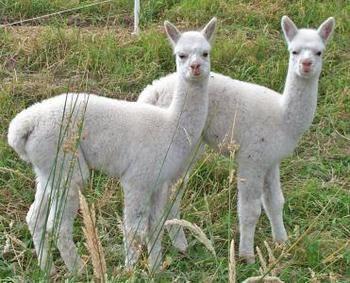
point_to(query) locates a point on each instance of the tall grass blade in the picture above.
(92, 241)
(197, 232)
(232, 263)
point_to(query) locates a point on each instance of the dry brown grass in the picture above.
(232, 263)
(93, 243)
(197, 232)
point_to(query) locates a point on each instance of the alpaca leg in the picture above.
(136, 221)
(37, 222)
(64, 208)
(156, 230)
(250, 186)
(176, 233)
(65, 243)
(273, 202)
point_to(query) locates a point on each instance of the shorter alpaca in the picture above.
(145, 146)
(265, 125)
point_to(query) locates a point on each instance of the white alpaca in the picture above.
(145, 146)
(265, 125)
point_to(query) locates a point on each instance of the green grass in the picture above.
(93, 50)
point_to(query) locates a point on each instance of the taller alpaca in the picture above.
(265, 125)
(145, 146)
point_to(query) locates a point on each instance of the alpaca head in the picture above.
(306, 46)
(192, 50)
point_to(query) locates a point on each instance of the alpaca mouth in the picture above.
(306, 71)
(196, 72)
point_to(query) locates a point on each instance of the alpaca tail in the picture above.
(19, 131)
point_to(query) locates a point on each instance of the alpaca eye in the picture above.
(319, 53)
(295, 52)
(182, 56)
(205, 54)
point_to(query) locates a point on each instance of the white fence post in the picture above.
(136, 17)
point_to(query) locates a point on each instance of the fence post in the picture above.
(136, 17)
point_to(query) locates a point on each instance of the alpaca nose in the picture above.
(306, 63)
(196, 69)
(195, 66)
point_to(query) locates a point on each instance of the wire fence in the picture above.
(66, 11)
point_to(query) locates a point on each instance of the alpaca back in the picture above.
(234, 106)
(118, 137)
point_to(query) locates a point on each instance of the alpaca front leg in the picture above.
(154, 245)
(176, 233)
(132, 246)
(273, 202)
(134, 230)
(250, 183)
(158, 212)
(136, 222)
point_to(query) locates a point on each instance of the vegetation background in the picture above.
(92, 50)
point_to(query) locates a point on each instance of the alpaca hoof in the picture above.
(129, 266)
(281, 239)
(155, 267)
(53, 271)
(79, 268)
(181, 246)
(179, 241)
(248, 259)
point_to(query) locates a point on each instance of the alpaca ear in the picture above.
(209, 30)
(326, 29)
(172, 32)
(289, 28)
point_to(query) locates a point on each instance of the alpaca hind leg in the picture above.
(250, 186)
(65, 243)
(37, 223)
(65, 209)
(273, 202)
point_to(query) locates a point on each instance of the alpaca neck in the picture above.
(189, 107)
(299, 102)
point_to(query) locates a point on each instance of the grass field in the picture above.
(92, 50)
